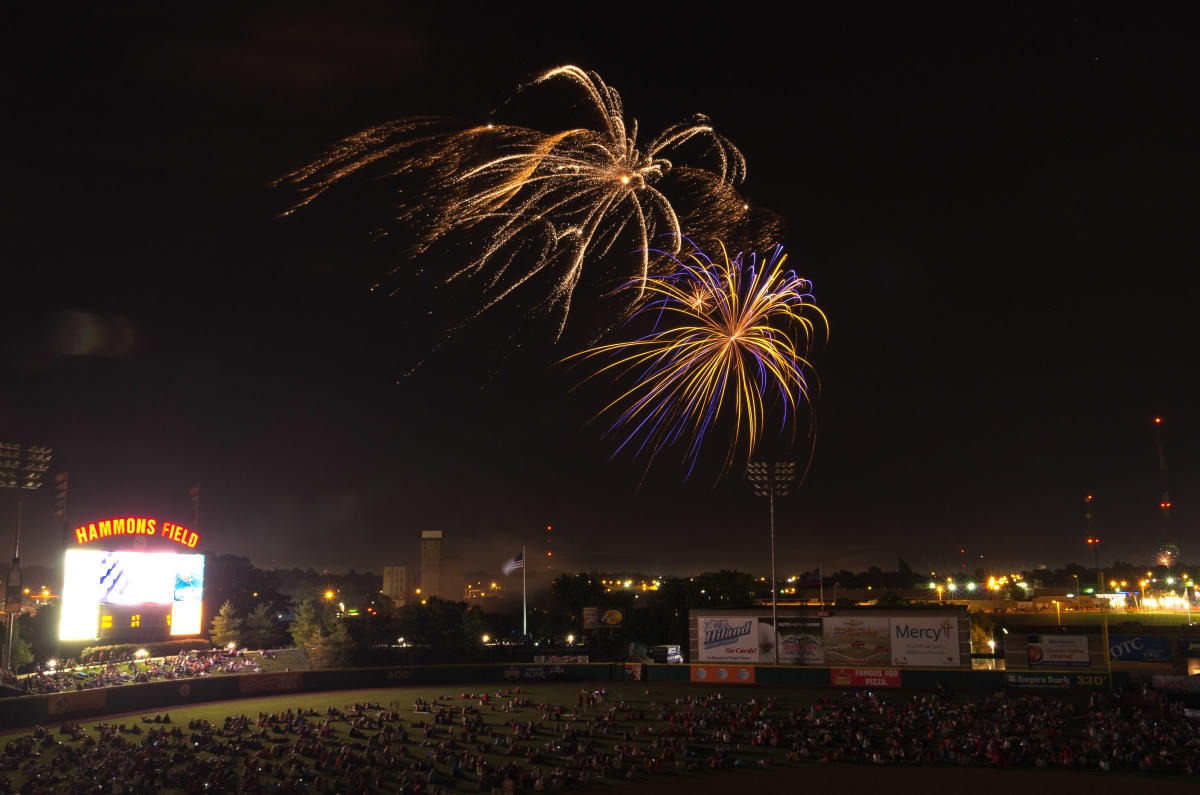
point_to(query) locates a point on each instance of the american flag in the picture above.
(512, 564)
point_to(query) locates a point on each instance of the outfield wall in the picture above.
(163, 696)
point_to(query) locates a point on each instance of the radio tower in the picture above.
(549, 553)
(1164, 502)
(1093, 540)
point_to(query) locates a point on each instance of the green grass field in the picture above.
(400, 699)
(639, 696)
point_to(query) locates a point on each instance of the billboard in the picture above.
(1140, 648)
(869, 640)
(1058, 650)
(729, 638)
(112, 593)
(801, 641)
(858, 640)
(864, 677)
(925, 641)
(1051, 681)
(602, 618)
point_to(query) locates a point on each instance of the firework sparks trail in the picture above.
(545, 204)
(727, 335)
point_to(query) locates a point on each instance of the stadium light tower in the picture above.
(21, 468)
(772, 480)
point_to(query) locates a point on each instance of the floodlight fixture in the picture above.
(772, 479)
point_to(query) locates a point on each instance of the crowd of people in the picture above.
(511, 741)
(1000, 731)
(70, 676)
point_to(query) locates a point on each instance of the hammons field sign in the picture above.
(126, 526)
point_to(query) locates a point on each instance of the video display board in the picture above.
(123, 593)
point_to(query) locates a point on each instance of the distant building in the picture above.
(483, 588)
(395, 584)
(453, 580)
(431, 564)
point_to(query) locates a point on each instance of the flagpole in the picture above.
(524, 610)
(196, 507)
(821, 583)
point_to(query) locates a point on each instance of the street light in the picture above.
(772, 480)
(21, 468)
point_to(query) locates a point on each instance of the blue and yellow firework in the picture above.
(728, 337)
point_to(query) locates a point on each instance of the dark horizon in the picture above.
(999, 221)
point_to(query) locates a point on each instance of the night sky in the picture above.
(998, 215)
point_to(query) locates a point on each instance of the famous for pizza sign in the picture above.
(864, 677)
(1058, 650)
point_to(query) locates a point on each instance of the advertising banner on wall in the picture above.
(1140, 648)
(857, 640)
(269, 683)
(800, 641)
(1050, 681)
(929, 642)
(1054, 651)
(729, 638)
(76, 700)
(729, 674)
(864, 677)
(1175, 684)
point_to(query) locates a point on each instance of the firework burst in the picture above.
(728, 336)
(541, 205)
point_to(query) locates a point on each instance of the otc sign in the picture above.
(136, 526)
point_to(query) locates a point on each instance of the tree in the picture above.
(443, 625)
(319, 633)
(571, 593)
(22, 652)
(236, 580)
(333, 648)
(40, 630)
(226, 626)
(892, 599)
(307, 626)
(260, 630)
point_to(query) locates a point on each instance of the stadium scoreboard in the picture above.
(116, 587)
